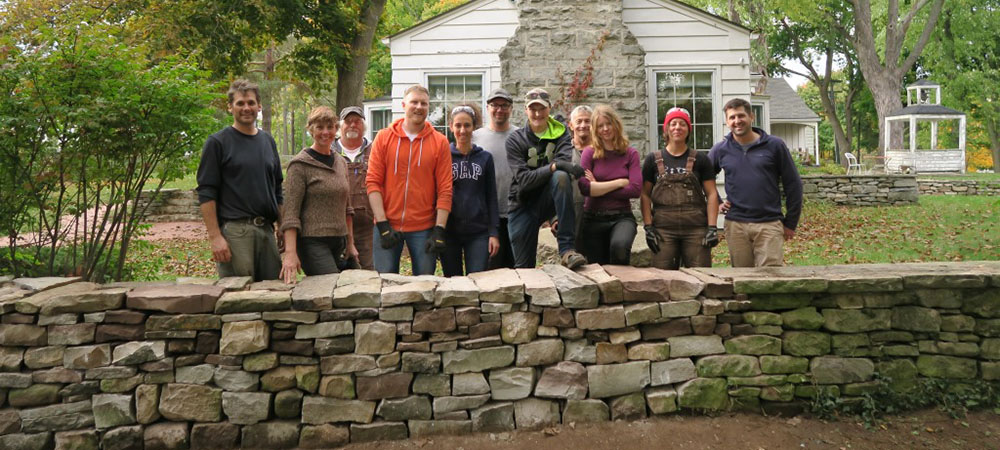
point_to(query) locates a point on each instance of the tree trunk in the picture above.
(351, 76)
(265, 93)
(993, 129)
(843, 144)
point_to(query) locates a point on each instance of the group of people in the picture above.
(478, 203)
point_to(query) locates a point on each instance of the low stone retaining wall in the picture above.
(360, 357)
(172, 205)
(930, 186)
(862, 190)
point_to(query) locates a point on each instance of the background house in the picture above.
(647, 56)
(781, 112)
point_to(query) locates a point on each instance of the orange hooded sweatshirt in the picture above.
(414, 177)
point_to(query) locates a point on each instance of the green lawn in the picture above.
(940, 228)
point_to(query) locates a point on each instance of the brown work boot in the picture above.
(571, 259)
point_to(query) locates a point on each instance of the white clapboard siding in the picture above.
(466, 40)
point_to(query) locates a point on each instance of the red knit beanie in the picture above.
(675, 113)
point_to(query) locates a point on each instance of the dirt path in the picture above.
(176, 230)
(928, 429)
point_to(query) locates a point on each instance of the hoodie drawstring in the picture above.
(421, 156)
(395, 167)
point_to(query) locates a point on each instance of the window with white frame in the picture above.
(693, 91)
(758, 115)
(446, 91)
(381, 117)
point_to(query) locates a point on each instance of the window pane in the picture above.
(758, 115)
(449, 90)
(692, 91)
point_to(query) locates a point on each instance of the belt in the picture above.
(258, 221)
(607, 213)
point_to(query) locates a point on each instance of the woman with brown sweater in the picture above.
(317, 203)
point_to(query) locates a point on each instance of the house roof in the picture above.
(926, 110)
(786, 103)
(470, 4)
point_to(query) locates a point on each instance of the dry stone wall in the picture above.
(862, 190)
(931, 186)
(360, 357)
(171, 205)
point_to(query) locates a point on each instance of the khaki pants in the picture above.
(254, 249)
(755, 244)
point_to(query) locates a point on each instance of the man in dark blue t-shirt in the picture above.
(755, 163)
(239, 188)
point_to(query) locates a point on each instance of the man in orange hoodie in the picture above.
(409, 188)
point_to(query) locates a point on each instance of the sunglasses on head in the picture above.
(466, 109)
(538, 95)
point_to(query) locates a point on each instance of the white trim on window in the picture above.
(765, 119)
(654, 127)
(370, 109)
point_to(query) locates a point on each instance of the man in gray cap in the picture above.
(540, 156)
(354, 147)
(493, 139)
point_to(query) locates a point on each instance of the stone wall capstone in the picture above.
(359, 356)
(556, 38)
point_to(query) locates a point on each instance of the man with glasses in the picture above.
(493, 139)
(540, 156)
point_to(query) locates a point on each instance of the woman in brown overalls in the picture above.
(679, 201)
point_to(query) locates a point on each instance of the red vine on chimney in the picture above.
(575, 91)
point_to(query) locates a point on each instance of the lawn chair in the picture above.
(852, 163)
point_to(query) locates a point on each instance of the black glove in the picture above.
(652, 238)
(388, 237)
(435, 243)
(711, 237)
(573, 169)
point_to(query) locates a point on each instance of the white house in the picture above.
(781, 112)
(657, 54)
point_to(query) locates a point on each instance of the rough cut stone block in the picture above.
(358, 289)
(535, 414)
(122, 438)
(34, 395)
(714, 287)
(339, 364)
(610, 286)
(425, 428)
(390, 385)
(469, 384)
(270, 435)
(936, 366)
(672, 371)
(802, 319)
(681, 346)
(444, 405)
(497, 417)
(650, 351)
(857, 320)
(456, 291)
(512, 383)
(703, 393)
(728, 366)
(324, 436)
(775, 285)
(770, 364)
(39, 284)
(244, 408)
(134, 353)
(628, 407)
(539, 287)
(519, 327)
(618, 379)
(324, 330)
(319, 410)
(147, 400)
(278, 379)
(806, 343)
(214, 435)
(417, 292)
(112, 410)
(181, 322)
(836, 370)
(416, 407)
(585, 411)
(680, 308)
(499, 286)
(253, 301)
(641, 312)
(66, 416)
(540, 353)
(378, 431)
(575, 290)
(166, 436)
(243, 338)
(79, 302)
(640, 284)
(915, 318)
(566, 380)
(10, 359)
(438, 320)
(754, 345)
(87, 357)
(189, 402)
(661, 400)
(23, 335)
(314, 293)
(602, 318)
(76, 334)
(185, 298)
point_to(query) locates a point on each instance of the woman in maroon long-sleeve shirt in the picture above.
(613, 177)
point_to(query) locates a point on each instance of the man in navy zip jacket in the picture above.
(755, 162)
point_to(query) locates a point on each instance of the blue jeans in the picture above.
(476, 248)
(555, 199)
(387, 259)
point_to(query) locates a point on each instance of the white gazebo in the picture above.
(923, 104)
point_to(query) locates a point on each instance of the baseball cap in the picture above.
(537, 95)
(500, 93)
(352, 110)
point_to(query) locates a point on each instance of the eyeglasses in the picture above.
(466, 109)
(538, 95)
(500, 106)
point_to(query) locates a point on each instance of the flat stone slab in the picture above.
(183, 298)
(567, 380)
(612, 290)
(456, 291)
(253, 301)
(417, 292)
(539, 287)
(320, 410)
(576, 291)
(609, 380)
(499, 286)
(33, 303)
(44, 283)
(82, 301)
(358, 289)
(315, 293)
(640, 284)
(478, 360)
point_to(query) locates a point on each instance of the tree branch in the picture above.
(925, 36)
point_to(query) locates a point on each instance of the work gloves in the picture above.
(652, 238)
(573, 169)
(388, 237)
(435, 243)
(711, 237)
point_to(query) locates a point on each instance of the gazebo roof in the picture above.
(926, 110)
(923, 82)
